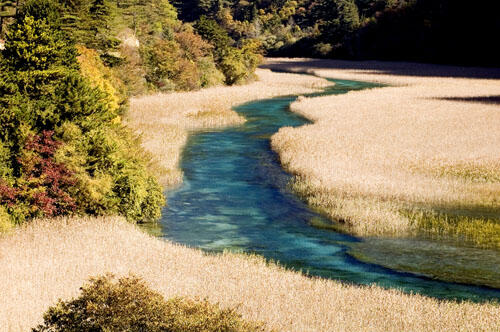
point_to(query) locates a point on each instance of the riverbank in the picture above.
(50, 259)
(165, 120)
(420, 154)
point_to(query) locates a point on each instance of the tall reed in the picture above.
(421, 154)
(50, 259)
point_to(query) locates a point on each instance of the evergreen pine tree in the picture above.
(337, 19)
(40, 84)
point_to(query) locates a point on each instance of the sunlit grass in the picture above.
(164, 120)
(46, 260)
(50, 259)
(414, 146)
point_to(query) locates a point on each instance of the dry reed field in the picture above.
(51, 259)
(164, 120)
(45, 260)
(422, 153)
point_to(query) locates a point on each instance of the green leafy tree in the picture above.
(237, 64)
(211, 31)
(180, 63)
(337, 19)
(155, 18)
(41, 91)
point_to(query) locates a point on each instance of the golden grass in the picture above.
(51, 259)
(164, 120)
(419, 145)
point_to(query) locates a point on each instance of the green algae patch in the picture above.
(441, 260)
(480, 227)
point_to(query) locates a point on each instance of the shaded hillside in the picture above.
(442, 31)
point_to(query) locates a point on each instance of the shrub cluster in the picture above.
(181, 61)
(44, 186)
(129, 305)
(174, 57)
(236, 63)
(63, 148)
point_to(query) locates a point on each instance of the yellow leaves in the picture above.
(97, 187)
(117, 120)
(288, 10)
(5, 221)
(100, 76)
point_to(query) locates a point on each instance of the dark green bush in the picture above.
(211, 31)
(129, 305)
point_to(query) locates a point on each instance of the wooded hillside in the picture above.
(442, 31)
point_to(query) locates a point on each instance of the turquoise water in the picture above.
(235, 197)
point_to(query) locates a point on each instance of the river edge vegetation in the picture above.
(164, 121)
(46, 260)
(417, 156)
(65, 150)
(59, 251)
(128, 304)
(68, 70)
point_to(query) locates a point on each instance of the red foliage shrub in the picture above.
(8, 194)
(44, 185)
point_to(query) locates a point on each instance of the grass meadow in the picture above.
(164, 120)
(420, 154)
(50, 259)
(45, 260)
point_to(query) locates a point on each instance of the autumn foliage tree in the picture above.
(64, 149)
(44, 185)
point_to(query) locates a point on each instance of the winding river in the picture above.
(235, 197)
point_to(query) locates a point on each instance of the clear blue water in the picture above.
(235, 197)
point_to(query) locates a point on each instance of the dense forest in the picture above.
(67, 69)
(440, 31)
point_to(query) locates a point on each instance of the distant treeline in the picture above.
(439, 31)
(148, 46)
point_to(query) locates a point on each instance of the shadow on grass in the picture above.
(387, 68)
(478, 99)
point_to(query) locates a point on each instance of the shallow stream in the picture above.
(235, 197)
